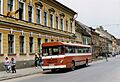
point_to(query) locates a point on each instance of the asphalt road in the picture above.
(97, 72)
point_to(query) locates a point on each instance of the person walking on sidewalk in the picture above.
(106, 57)
(36, 60)
(7, 65)
(40, 61)
(13, 64)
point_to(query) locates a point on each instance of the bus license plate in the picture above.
(51, 64)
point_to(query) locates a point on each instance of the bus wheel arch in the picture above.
(73, 65)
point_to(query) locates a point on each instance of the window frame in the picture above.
(9, 5)
(31, 44)
(45, 19)
(39, 45)
(51, 20)
(0, 43)
(57, 22)
(61, 24)
(22, 44)
(66, 25)
(11, 46)
(23, 10)
(46, 40)
(1, 6)
(30, 14)
(71, 27)
(38, 16)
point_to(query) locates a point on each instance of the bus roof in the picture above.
(49, 44)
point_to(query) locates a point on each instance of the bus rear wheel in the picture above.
(73, 66)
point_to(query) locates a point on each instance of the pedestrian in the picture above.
(106, 57)
(40, 60)
(7, 65)
(13, 65)
(36, 60)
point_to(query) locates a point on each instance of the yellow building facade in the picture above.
(26, 24)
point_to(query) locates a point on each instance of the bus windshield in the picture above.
(56, 50)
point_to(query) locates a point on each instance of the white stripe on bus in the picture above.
(62, 56)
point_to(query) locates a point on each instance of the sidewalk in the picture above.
(104, 60)
(20, 73)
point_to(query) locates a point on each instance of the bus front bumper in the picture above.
(54, 67)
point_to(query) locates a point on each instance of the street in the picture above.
(96, 72)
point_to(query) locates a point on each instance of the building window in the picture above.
(61, 24)
(57, 22)
(57, 40)
(38, 16)
(51, 20)
(29, 13)
(70, 26)
(84, 40)
(0, 42)
(10, 44)
(39, 45)
(0, 6)
(45, 18)
(66, 25)
(52, 40)
(21, 9)
(46, 40)
(31, 44)
(21, 44)
(10, 5)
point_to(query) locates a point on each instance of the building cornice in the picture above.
(63, 7)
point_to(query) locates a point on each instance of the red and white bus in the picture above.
(57, 55)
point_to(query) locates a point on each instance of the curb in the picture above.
(17, 76)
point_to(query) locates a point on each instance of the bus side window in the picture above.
(71, 50)
(50, 51)
(84, 50)
(62, 50)
(87, 50)
(80, 50)
(76, 49)
(66, 49)
(45, 52)
(55, 51)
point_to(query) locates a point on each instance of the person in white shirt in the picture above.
(7, 65)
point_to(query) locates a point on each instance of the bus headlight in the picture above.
(61, 61)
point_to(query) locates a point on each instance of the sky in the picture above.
(97, 12)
